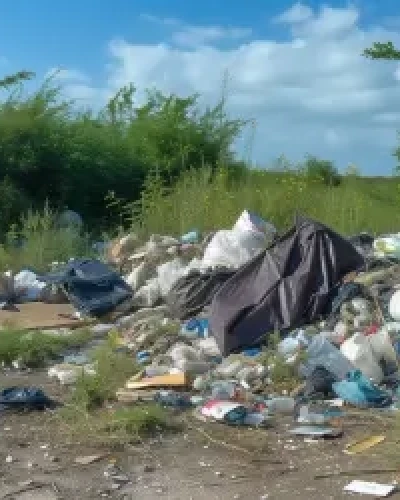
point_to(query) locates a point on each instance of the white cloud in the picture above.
(298, 13)
(189, 35)
(314, 93)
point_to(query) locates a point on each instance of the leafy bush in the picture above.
(323, 171)
(50, 150)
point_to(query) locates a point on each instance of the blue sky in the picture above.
(293, 68)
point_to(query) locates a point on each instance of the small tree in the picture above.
(323, 171)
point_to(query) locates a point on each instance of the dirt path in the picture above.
(183, 466)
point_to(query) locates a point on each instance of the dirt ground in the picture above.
(193, 464)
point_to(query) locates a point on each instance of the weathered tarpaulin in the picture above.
(287, 285)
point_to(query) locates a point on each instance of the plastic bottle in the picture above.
(322, 353)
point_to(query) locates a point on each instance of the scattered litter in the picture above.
(366, 488)
(316, 431)
(363, 445)
(24, 398)
(89, 459)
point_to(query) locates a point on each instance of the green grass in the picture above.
(44, 243)
(85, 417)
(201, 200)
(113, 368)
(34, 349)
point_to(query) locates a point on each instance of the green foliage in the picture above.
(85, 418)
(323, 171)
(385, 51)
(211, 200)
(35, 349)
(50, 150)
(113, 368)
(36, 241)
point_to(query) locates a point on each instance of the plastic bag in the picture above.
(169, 273)
(359, 391)
(27, 286)
(233, 248)
(252, 222)
(358, 351)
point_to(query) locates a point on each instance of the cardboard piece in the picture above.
(170, 380)
(40, 316)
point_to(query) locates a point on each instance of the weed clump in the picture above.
(34, 349)
(86, 415)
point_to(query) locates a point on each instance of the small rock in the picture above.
(9, 459)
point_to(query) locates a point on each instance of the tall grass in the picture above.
(206, 200)
(37, 241)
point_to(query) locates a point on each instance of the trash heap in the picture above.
(213, 320)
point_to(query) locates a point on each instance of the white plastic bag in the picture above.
(233, 248)
(169, 273)
(27, 286)
(252, 222)
(358, 351)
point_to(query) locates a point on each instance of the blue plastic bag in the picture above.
(357, 390)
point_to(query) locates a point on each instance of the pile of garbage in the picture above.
(198, 314)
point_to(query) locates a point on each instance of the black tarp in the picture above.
(284, 287)
(91, 286)
(195, 291)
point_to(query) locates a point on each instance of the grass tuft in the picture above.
(34, 349)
